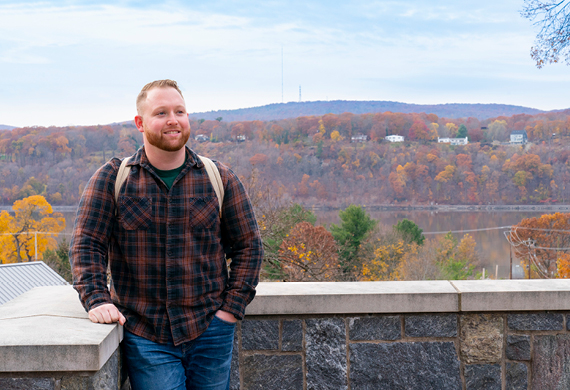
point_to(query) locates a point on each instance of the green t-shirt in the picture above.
(169, 176)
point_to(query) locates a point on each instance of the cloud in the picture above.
(227, 54)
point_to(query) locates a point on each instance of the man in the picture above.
(166, 246)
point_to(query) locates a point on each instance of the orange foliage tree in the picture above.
(258, 158)
(309, 253)
(543, 244)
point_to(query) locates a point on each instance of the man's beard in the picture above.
(158, 141)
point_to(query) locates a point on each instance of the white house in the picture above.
(453, 141)
(519, 137)
(359, 138)
(395, 138)
(201, 138)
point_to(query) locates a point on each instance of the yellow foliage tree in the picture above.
(26, 230)
(452, 129)
(386, 262)
(321, 127)
(433, 134)
(563, 265)
(445, 175)
(335, 136)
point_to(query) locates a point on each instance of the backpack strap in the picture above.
(215, 179)
(211, 170)
(121, 176)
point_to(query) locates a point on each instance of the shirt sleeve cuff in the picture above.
(234, 304)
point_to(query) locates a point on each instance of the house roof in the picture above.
(516, 132)
(16, 279)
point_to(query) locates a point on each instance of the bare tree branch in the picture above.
(552, 41)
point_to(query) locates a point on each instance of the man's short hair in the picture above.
(155, 84)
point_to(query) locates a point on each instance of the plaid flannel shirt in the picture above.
(166, 248)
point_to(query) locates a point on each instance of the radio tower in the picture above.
(281, 73)
(299, 94)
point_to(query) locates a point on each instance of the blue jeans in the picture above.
(203, 363)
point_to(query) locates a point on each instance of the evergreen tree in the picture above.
(353, 229)
(410, 231)
(462, 132)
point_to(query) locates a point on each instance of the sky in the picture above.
(83, 62)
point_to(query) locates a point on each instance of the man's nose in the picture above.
(171, 119)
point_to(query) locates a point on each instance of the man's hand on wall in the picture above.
(107, 314)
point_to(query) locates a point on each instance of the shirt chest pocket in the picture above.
(135, 213)
(204, 212)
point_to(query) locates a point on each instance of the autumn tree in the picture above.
(542, 243)
(456, 261)
(419, 131)
(385, 264)
(497, 130)
(309, 253)
(258, 158)
(276, 216)
(26, 230)
(420, 262)
(451, 129)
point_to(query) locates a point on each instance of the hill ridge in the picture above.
(276, 111)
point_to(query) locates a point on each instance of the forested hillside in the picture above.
(312, 160)
(295, 110)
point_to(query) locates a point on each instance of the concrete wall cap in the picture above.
(47, 329)
(274, 298)
(514, 295)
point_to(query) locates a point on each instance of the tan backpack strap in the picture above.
(121, 176)
(215, 178)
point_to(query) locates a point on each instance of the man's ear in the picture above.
(139, 123)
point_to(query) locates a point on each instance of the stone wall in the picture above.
(516, 351)
(365, 335)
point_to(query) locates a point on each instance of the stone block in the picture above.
(410, 366)
(292, 336)
(107, 378)
(431, 325)
(234, 372)
(535, 321)
(481, 338)
(483, 376)
(518, 347)
(375, 328)
(551, 362)
(260, 335)
(27, 383)
(517, 376)
(325, 351)
(272, 372)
